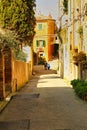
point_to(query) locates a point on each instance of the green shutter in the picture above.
(44, 43)
(37, 43)
(40, 26)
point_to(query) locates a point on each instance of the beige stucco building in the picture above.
(76, 42)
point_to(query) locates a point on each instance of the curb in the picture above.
(5, 102)
(3, 105)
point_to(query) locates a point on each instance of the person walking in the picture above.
(48, 66)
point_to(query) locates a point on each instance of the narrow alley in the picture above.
(45, 103)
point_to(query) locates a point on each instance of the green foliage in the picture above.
(81, 91)
(20, 55)
(65, 5)
(80, 87)
(74, 82)
(41, 61)
(80, 57)
(18, 15)
(7, 38)
(84, 64)
(80, 31)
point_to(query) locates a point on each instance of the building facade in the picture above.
(76, 43)
(44, 40)
(63, 57)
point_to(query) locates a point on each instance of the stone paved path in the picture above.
(49, 104)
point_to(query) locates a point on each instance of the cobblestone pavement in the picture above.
(49, 104)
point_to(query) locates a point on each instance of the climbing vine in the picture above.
(65, 6)
(80, 31)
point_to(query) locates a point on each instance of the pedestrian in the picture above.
(48, 66)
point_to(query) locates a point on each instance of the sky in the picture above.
(47, 6)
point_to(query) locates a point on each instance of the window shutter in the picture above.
(43, 43)
(40, 26)
(37, 43)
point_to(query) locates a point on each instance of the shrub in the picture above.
(20, 55)
(41, 61)
(80, 87)
(74, 82)
(81, 91)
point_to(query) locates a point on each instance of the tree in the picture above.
(18, 16)
(7, 39)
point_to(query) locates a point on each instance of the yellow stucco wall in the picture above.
(46, 34)
(21, 73)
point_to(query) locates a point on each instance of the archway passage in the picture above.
(56, 49)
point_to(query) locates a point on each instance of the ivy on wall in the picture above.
(80, 31)
(65, 6)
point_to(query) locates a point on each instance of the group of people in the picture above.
(46, 66)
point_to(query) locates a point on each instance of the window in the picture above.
(40, 26)
(40, 43)
(43, 43)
